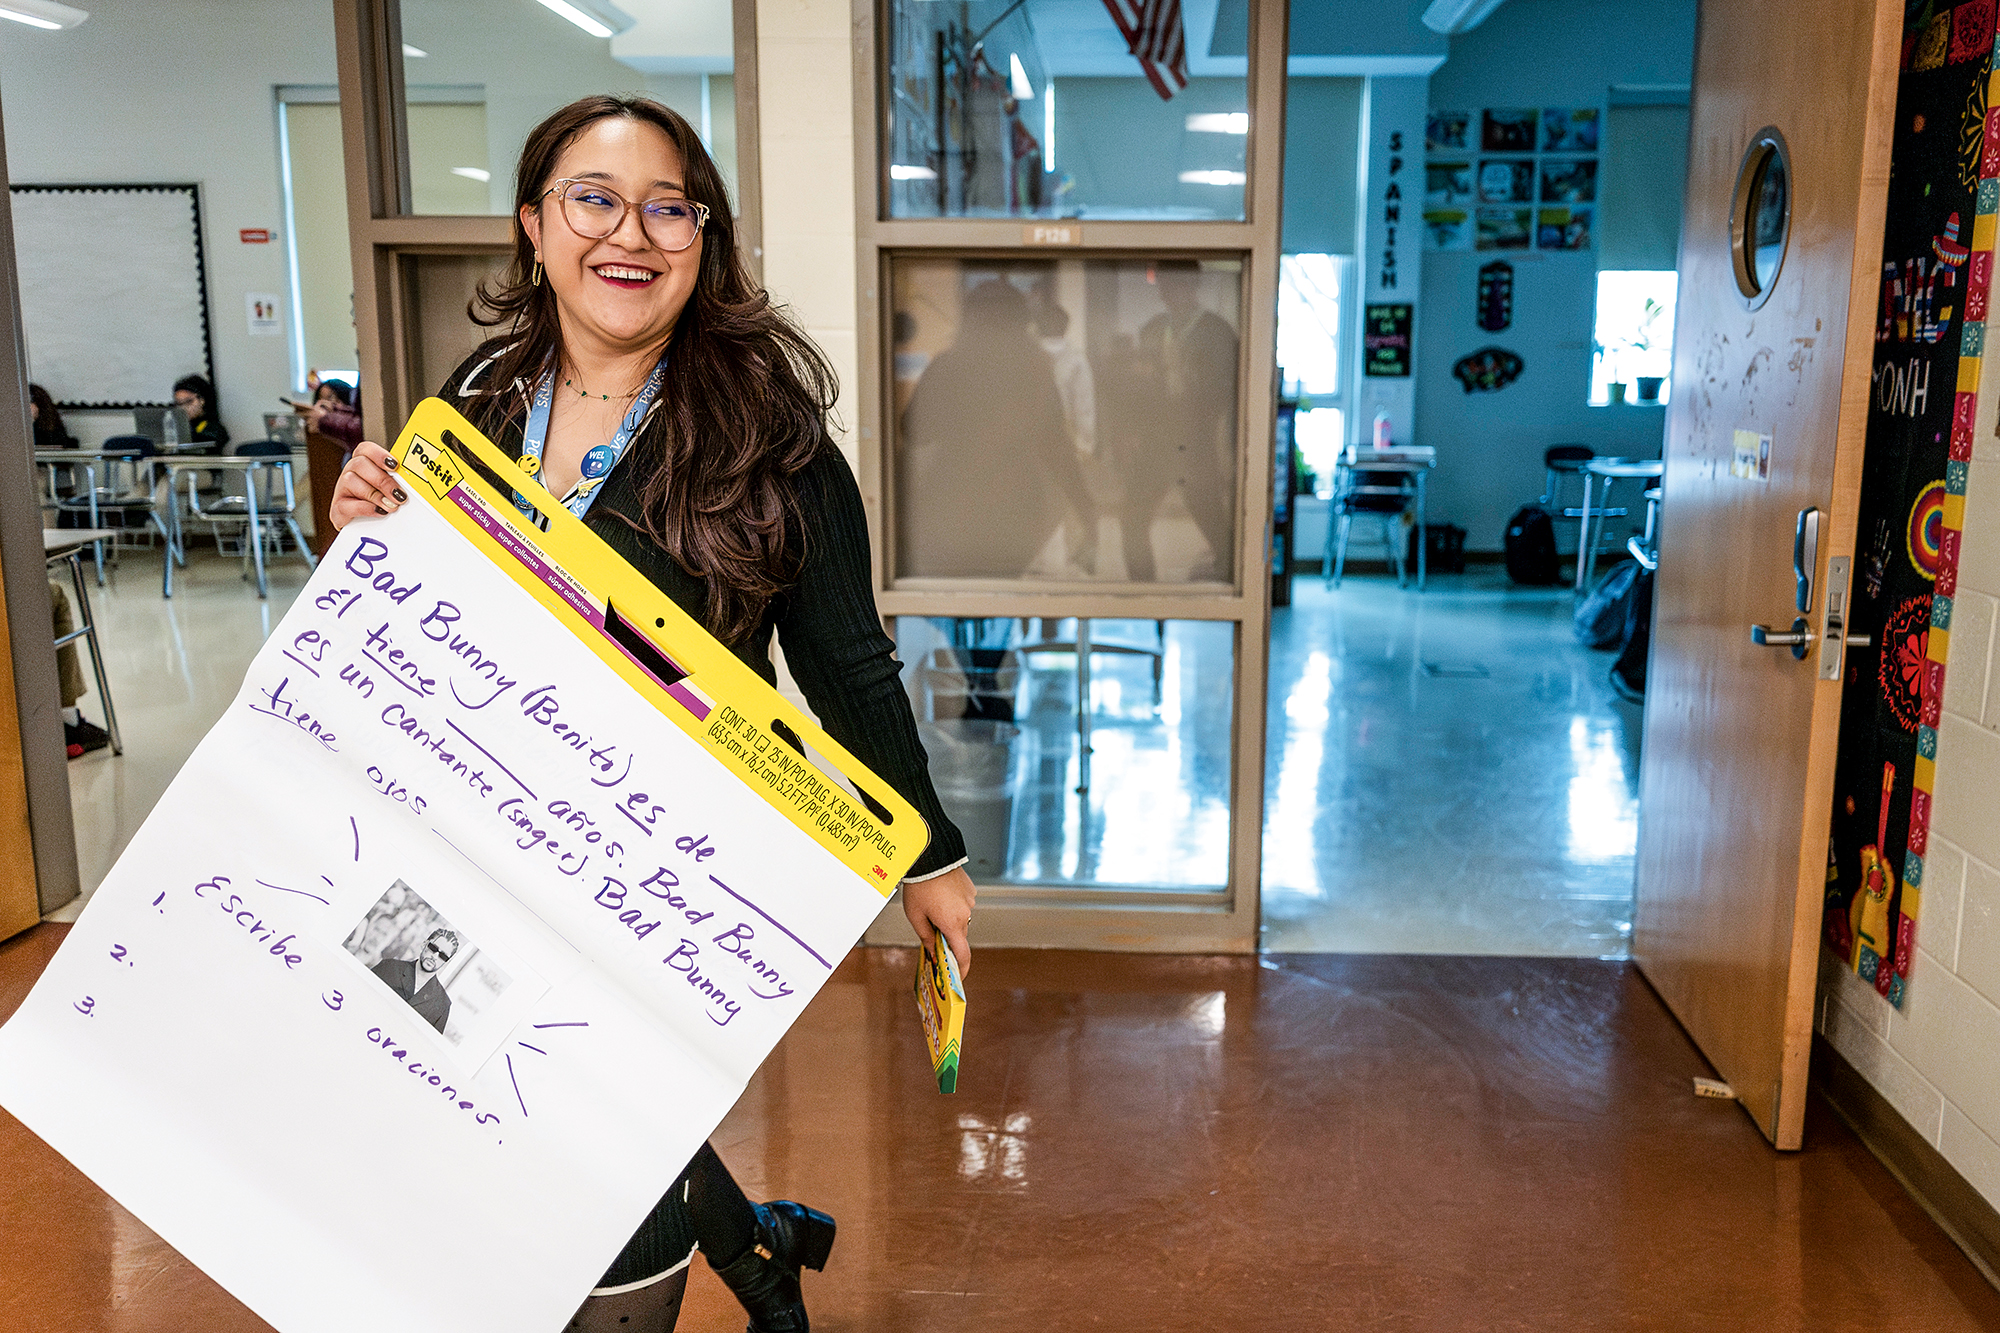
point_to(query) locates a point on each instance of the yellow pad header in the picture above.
(663, 653)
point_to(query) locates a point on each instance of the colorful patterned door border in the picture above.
(1944, 167)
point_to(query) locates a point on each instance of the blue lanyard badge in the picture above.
(598, 462)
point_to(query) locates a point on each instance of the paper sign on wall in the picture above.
(458, 933)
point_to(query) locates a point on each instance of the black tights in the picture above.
(704, 1206)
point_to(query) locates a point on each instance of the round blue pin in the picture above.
(598, 461)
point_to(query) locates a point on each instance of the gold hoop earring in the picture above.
(535, 279)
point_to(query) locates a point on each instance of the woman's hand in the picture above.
(943, 906)
(368, 485)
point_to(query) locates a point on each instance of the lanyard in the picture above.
(598, 462)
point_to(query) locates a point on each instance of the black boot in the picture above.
(765, 1277)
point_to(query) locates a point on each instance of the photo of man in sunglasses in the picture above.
(416, 980)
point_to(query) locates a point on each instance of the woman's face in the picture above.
(622, 292)
(325, 395)
(196, 408)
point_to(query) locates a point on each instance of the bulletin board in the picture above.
(114, 291)
(1511, 178)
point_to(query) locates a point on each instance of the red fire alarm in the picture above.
(255, 235)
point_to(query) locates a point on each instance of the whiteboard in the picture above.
(114, 293)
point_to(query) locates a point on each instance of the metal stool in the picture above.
(1562, 460)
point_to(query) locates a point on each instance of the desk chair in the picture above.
(1084, 648)
(122, 499)
(1386, 496)
(1645, 547)
(264, 527)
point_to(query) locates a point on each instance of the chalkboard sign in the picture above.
(1386, 341)
(104, 332)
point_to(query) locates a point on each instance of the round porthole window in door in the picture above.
(1760, 215)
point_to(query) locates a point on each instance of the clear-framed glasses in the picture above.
(594, 211)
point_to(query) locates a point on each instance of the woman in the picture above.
(50, 433)
(197, 396)
(646, 381)
(335, 414)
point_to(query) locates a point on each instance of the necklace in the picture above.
(603, 397)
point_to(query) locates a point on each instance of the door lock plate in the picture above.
(1833, 634)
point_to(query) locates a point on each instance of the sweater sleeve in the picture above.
(834, 644)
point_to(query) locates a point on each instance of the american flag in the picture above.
(1152, 32)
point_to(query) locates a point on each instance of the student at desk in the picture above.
(50, 433)
(197, 396)
(335, 414)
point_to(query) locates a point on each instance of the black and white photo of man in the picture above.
(416, 979)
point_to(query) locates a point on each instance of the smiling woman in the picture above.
(650, 385)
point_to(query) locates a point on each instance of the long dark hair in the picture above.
(745, 401)
(47, 419)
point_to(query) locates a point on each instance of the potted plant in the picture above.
(1642, 341)
(1607, 356)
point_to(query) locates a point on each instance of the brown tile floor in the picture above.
(1143, 1143)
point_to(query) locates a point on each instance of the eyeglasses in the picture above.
(432, 946)
(595, 211)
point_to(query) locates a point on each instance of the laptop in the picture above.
(152, 422)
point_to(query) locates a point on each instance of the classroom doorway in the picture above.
(1450, 765)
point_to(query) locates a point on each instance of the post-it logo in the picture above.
(435, 467)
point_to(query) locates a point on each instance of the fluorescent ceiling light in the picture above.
(1212, 178)
(412, 53)
(1023, 90)
(593, 16)
(44, 14)
(1455, 16)
(1219, 122)
(899, 172)
(473, 173)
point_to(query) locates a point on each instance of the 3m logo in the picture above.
(880, 873)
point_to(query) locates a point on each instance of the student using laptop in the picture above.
(194, 395)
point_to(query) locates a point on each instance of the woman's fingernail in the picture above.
(392, 463)
(380, 510)
(401, 497)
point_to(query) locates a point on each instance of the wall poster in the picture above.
(1930, 334)
(1486, 171)
(1385, 341)
(476, 911)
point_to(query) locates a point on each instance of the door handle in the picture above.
(1805, 557)
(1796, 638)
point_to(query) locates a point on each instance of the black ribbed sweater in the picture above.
(826, 622)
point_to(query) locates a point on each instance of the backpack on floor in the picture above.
(1628, 673)
(1605, 612)
(1531, 547)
